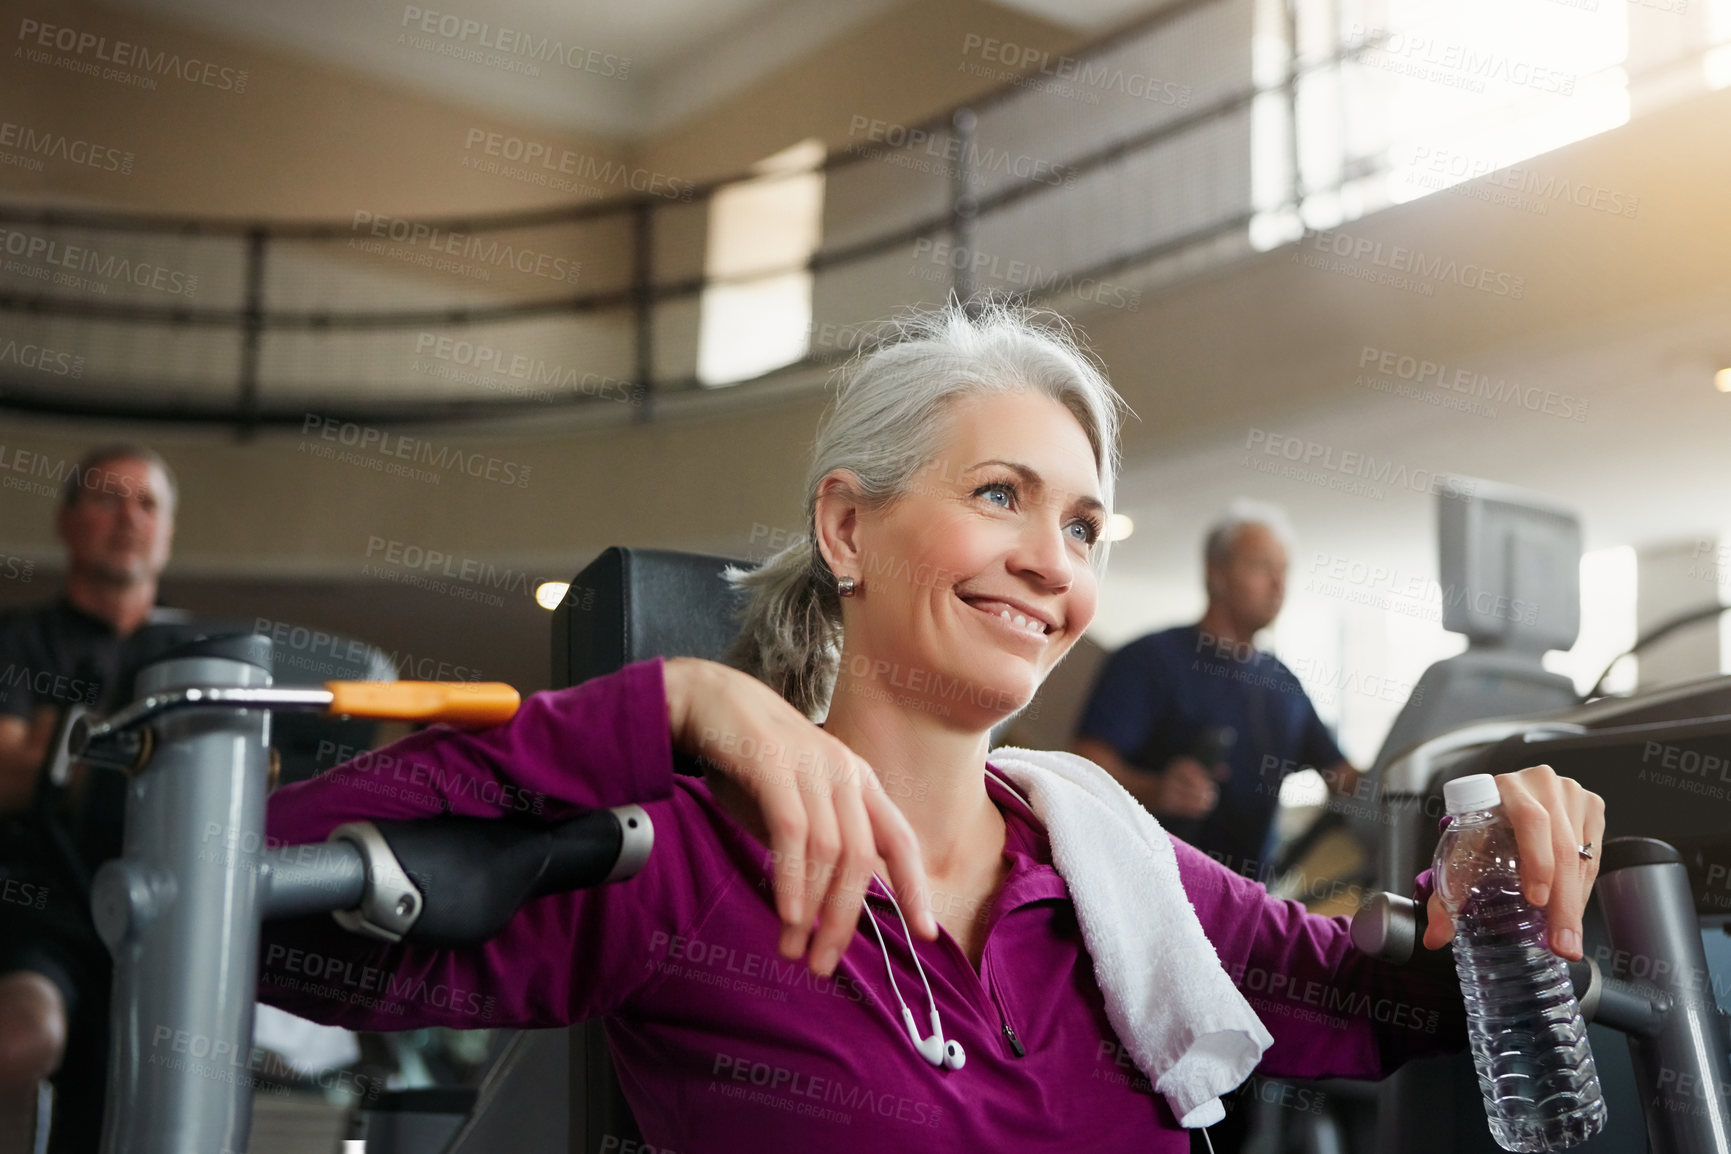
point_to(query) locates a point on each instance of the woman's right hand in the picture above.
(817, 805)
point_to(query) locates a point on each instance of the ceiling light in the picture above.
(1119, 526)
(548, 594)
(1722, 380)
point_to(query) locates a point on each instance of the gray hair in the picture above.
(85, 475)
(1223, 533)
(884, 426)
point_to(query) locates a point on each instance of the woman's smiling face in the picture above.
(1000, 525)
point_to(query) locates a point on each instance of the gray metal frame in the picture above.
(1678, 1038)
(169, 909)
(180, 909)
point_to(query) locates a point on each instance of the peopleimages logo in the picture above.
(126, 55)
(404, 555)
(1420, 371)
(374, 444)
(1033, 64)
(1530, 188)
(1452, 63)
(83, 259)
(554, 160)
(22, 893)
(952, 154)
(1387, 587)
(944, 259)
(58, 146)
(41, 358)
(344, 979)
(55, 472)
(785, 1088)
(491, 251)
(1400, 259)
(514, 42)
(49, 685)
(1356, 471)
(526, 375)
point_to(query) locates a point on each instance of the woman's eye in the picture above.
(1003, 490)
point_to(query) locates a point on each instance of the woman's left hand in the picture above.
(1552, 817)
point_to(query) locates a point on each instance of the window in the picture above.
(1607, 622)
(1397, 99)
(762, 232)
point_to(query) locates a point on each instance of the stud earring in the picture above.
(846, 586)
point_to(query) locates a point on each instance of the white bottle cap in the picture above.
(1474, 792)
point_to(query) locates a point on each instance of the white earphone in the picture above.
(933, 1049)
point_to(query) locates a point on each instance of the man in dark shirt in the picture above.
(116, 519)
(1200, 725)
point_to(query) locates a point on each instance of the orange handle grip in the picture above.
(458, 702)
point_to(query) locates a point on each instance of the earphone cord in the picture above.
(888, 969)
(931, 1002)
(909, 934)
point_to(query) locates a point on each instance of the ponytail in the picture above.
(790, 636)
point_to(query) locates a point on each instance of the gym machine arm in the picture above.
(180, 909)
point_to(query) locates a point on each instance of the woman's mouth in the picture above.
(1009, 619)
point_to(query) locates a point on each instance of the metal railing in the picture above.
(1132, 152)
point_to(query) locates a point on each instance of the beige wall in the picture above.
(306, 139)
(273, 505)
(1264, 337)
(1271, 336)
(900, 68)
(312, 141)
(303, 140)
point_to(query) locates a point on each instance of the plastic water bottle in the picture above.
(1535, 1068)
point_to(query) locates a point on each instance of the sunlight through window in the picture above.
(758, 317)
(1397, 99)
(1607, 621)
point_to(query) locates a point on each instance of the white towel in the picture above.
(1167, 995)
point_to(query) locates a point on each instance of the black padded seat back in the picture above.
(630, 605)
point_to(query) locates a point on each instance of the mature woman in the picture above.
(955, 509)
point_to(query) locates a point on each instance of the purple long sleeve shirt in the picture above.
(722, 1045)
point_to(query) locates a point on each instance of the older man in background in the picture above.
(116, 521)
(1198, 723)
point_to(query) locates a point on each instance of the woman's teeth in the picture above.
(1032, 625)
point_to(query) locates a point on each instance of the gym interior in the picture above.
(469, 345)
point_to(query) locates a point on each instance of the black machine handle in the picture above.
(457, 881)
(476, 873)
(1392, 928)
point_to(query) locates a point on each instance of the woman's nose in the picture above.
(1046, 552)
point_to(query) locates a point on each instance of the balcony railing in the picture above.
(1081, 181)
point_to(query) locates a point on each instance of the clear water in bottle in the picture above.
(1535, 1068)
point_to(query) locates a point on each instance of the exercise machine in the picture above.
(180, 909)
(1649, 987)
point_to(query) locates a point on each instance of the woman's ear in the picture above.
(836, 522)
